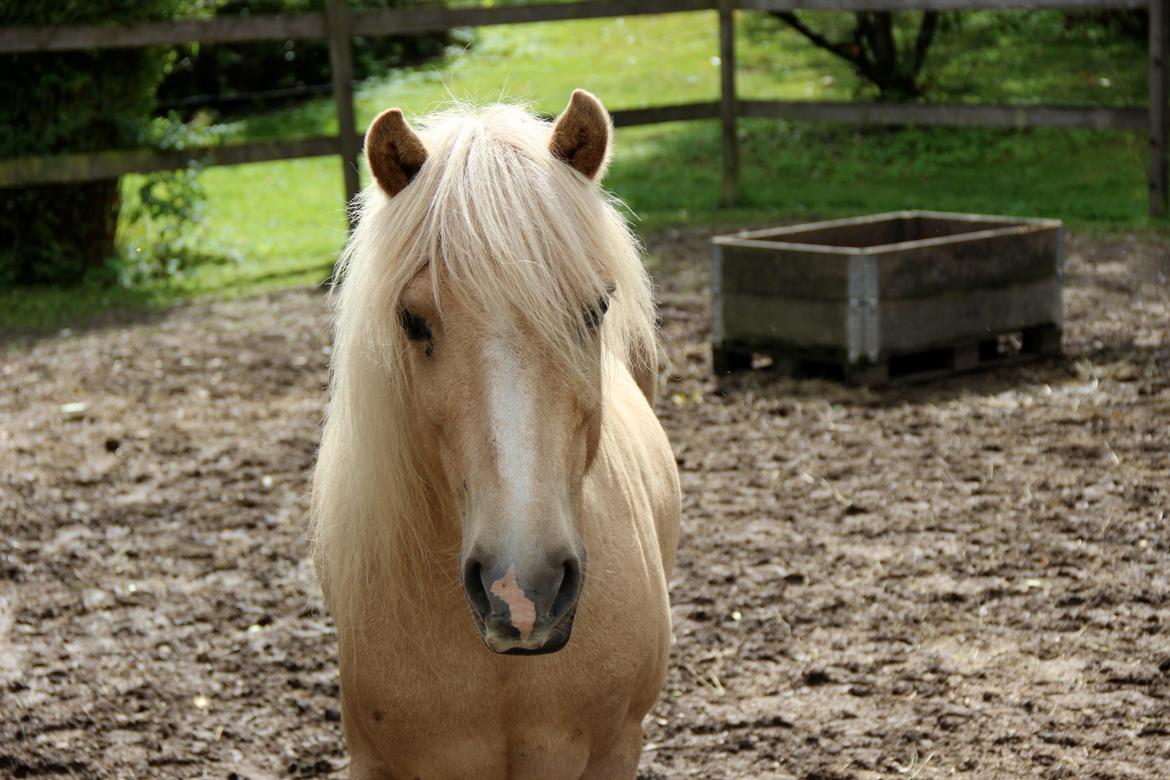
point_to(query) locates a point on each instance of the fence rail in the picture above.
(397, 21)
(938, 5)
(948, 115)
(338, 25)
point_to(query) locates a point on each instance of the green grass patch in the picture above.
(1078, 176)
(629, 62)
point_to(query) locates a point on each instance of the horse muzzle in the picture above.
(525, 609)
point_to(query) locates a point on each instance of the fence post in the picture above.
(727, 102)
(341, 68)
(1159, 86)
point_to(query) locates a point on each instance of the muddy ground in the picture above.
(968, 578)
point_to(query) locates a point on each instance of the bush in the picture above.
(1131, 23)
(226, 75)
(71, 102)
(162, 232)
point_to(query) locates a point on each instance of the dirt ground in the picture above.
(963, 578)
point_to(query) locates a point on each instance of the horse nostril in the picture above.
(569, 590)
(475, 588)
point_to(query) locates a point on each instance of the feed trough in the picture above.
(901, 296)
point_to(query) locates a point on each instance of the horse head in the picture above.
(505, 377)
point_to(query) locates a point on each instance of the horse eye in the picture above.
(415, 327)
(595, 313)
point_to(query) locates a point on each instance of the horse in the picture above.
(495, 506)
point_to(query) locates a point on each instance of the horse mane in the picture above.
(496, 219)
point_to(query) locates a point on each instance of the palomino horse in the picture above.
(491, 442)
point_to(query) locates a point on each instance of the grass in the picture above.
(287, 218)
(1082, 177)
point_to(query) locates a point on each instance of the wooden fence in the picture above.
(338, 24)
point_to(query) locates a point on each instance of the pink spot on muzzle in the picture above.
(520, 607)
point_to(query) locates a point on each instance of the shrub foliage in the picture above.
(229, 75)
(71, 102)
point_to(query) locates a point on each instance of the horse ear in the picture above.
(581, 135)
(393, 151)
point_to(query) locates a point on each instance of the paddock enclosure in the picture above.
(961, 578)
(338, 24)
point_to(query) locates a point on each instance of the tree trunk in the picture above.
(873, 52)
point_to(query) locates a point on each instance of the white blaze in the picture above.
(512, 421)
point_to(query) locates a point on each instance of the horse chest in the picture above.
(494, 716)
(416, 694)
(433, 687)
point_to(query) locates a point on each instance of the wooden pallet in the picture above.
(904, 296)
(995, 351)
